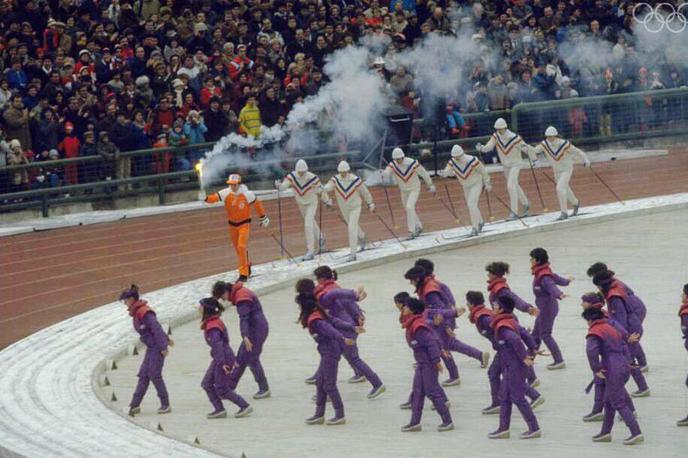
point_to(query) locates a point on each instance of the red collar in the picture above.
(138, 309)
(240, 294)
(616, 289)
(504, 320)
(313, 317)
(540, 271)
(429, 285)
(479, 311)
(213, 322)
(601, 328)
(496, 285)
(684, 309)
(325, 287)
(412, 323)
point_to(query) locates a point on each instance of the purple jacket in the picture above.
(252, 321)
(326, 336)
(498, 289)
(425, 346)
(545, 286)
(683, 314)
(342, 309)
(217, 339)
(511, 349)
(635, 303)
(605, 349)
(150, 331)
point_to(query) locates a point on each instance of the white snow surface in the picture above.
(50, 393)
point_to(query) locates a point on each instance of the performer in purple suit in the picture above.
(426, 352)
(482, 317)
(547, 297)
(622, 311)
(607, 360)
(329, 341)
(514, 360)
(216, 382)
(156, 342)
(635, 302)
(254, 332)
(683, 315)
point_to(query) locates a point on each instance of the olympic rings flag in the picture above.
(663, 15)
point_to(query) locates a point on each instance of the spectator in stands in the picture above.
(88, 172)
(215, 120)
(249, 118)
(69, 147)
(20, 178)
(109, 152)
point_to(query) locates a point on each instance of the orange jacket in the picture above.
(238, 205)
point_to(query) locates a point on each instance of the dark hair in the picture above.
(603, 278)
(325, 273)
(415, 273)
(401, 298)
(305, 285)
(132, 291)
(593, 297)
(498, 268)
(685, 289)
(426, 264)
(475, 298)
(308, 305)
(592, 314)
(595, 268)
(211, 307)
(415, 305)
(540, 255)
(506, 304)
(219, 288)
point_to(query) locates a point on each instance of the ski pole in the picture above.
(279, 216)
(499, 199)
(290, 257)
(390, 230)
(451, 202)
(606, 185)
(537, 186)
(487, 193)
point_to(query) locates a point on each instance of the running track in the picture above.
(47, 277)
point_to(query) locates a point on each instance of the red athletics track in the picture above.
(49, 276)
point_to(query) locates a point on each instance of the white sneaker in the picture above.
(452, 382)
(602, 438)
(357, 379)
(245, 412)
(411, 428)
(641, 393)
(556, 366)
(445, 427)
(634, 440)
(499, 435)
(530, 435)
(375, 392)
(593, 416)
(308, 257)
(535, 383)
(537, 402)
(491, 410)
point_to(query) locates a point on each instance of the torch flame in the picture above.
(199, 168)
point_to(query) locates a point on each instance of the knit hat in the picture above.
(457, 151)
(142, 81)
(343, 166)
(397, 153)
(593, 298)
(15, 144)
(301, 166)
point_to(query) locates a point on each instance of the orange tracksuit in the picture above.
(238, 208)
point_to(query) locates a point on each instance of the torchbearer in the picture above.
(238, 202)
(350, 191)
(472, 175)
(407, 173)
(510, 147)
(560, 154)
(306, 186)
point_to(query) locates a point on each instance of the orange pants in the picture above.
(239, 237)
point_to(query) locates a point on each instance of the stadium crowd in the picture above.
(100, 77)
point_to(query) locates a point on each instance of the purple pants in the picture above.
(542, 331)
(326, 386)
(426, 383)
(512, 391)
(252, 360)
(494, 375)
(217, 386)
(615, 399)
(350, 353)
(151, 371)
(598, 405)
(450, 343)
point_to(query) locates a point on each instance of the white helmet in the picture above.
(551, 132)
(397, 153)
(343, 167)
(500, 123)
(457, 151)
(301, 166)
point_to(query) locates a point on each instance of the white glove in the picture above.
(432, 189)
(488, 187)
(371, 207)
(277, 183)
(265, 221)
(479, 147)
(202, 196)
(587, 163)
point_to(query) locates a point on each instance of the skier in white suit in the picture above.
(510, 147)
(307, 187)
(561, 155)
(407, 173)
(349, 190)
(472, 175)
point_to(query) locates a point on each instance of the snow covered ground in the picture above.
(648, 252)
(52, 385)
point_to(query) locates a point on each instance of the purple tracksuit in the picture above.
(437, 303)
(512, 352)
(638, 306)
(498, 288)
(426, 351)
(254, 325)
(621, 311)
(155, 339)
(547, 297)
(329, 346)
(345, 314)
(605, 353)
(482, 317)
(683, 313)
(216, 383)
